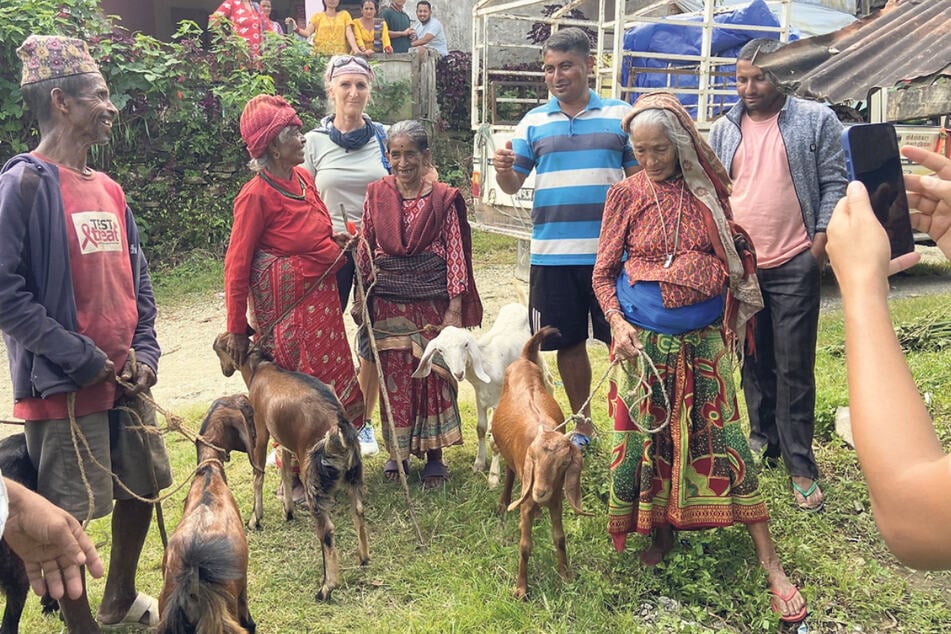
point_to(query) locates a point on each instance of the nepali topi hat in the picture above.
(54, 56)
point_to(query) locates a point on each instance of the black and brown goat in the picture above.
(546, 461)
(306, 418)
(206, 562)
(15, 464)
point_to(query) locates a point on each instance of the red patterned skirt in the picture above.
(311, 338)
(425, 413)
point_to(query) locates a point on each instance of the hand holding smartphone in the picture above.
(871, 157)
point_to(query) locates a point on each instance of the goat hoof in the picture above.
(323, 594)
(288, 516)
(493, 481)
(254, 524)
(521, 594)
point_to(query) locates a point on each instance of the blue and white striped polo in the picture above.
(576, 160)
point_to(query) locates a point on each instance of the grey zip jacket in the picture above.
(810, 132)
(37, 306)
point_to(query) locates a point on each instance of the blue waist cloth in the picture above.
(642, 306)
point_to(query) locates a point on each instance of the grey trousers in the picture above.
(779, 379)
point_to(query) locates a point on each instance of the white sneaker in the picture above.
(368, 444)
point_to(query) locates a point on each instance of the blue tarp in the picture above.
(685, 40)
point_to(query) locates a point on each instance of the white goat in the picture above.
(483, 364)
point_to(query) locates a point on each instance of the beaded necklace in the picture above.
(272, 183)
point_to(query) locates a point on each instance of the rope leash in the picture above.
(173, 423)
(74, 433)
(643, 361)
(267, 332)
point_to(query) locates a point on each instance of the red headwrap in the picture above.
(263, 119)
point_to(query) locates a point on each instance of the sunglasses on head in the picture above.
(343, 60)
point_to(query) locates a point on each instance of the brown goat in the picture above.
(523, 430)
(306, 418)
(206, 562)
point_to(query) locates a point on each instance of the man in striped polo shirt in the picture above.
(577, 148)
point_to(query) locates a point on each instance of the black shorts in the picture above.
(561, 296)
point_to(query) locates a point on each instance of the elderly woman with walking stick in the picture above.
(282, 260)
(416, 251)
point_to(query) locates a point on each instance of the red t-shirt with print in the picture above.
(102, 285)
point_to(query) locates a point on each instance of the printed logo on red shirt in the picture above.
(97, 231)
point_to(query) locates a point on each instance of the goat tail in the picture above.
(530, 349)
(200, 601)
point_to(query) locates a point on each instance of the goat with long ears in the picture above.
(307, 419)
(206, 562)
(482, 362)
(525, 429)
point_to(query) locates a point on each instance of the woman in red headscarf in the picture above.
(283, 257)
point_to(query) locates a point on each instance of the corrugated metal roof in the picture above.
(907, 40)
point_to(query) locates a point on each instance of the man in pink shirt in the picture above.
(788, 173)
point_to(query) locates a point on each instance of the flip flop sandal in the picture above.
(435, 474)
(391, 467)
(805, 493)
(142, 606)
(791, 618)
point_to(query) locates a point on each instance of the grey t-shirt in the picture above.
(342, 175)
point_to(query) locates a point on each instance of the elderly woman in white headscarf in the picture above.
(682, 295)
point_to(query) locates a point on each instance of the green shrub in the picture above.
(453, 87)
(176, 148)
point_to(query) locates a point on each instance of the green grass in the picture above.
(460, 578)
(492, 248)
(196, 273)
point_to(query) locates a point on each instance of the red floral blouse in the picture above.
(632, 224)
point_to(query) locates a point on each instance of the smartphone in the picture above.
(871, 156)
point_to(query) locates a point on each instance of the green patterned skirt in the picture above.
(697, 472)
